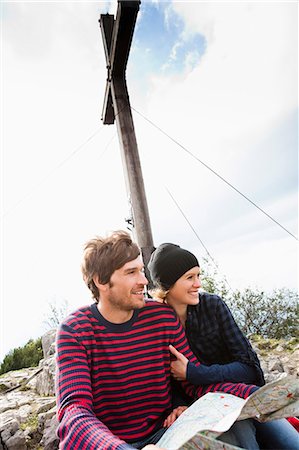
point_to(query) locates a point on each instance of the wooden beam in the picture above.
(117, 38)
(106, 24)
(132, 167)
(122, 35)
(108, 115)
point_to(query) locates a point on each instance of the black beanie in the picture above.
(168, 263)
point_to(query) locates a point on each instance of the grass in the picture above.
(266, 345)
(31, 422)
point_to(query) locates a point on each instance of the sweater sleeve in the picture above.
(234, 372)
(238, 389)
(78, 428)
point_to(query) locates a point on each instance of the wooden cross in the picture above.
(117, 37)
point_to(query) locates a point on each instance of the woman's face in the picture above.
(185, 290)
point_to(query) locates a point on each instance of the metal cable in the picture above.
(217, 174)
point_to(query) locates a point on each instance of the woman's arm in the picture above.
(183, 369)
(184, 354)
(234, 371)
(239, 348)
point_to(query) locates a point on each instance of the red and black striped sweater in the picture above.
(113, 380)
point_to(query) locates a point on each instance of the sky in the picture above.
(211, 84)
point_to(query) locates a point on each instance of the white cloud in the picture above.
(230, 112)
(248, 75)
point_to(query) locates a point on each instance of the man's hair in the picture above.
(102, 256)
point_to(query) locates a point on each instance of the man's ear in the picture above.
(99, 285)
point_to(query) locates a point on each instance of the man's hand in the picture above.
(173, 416)
(178, 368)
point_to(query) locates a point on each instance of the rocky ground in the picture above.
(277, 356)
(27, 396)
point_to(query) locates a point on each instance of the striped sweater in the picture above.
(113, 380)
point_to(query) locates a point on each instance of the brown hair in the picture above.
(102, 256)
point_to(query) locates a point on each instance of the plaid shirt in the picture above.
(215, 338)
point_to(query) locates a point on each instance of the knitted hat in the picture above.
(168, 263)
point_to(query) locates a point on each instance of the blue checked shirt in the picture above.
(218, 343)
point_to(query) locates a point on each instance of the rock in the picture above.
(272, 376)
(48, 343)
(43, 417)
(8, 424)
(45, 380)
(5, 405)
(291, 363)
(277, 357)
(4, 387)
(14, 378)
(28, 414)
(24, 412)
(50, 440)
(12, 437)
(275, 365)
(20, 424)
(46, 405)
(16, 442)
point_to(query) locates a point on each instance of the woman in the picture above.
(213, 335)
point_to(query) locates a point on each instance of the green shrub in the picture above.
(27, 356)
(272, 315)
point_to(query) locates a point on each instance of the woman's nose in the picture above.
(197, 282)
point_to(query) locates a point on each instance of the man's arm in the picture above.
(78, 426)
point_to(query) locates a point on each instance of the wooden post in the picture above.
(117, 37)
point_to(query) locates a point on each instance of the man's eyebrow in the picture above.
(129, 269)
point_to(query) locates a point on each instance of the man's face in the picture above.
(126, 286)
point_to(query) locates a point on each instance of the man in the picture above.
(113, 359)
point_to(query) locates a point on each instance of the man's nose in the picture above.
(143, 279)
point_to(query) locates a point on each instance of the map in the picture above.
(215, 412)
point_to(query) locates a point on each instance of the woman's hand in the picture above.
(178, 368)
(173, 416)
